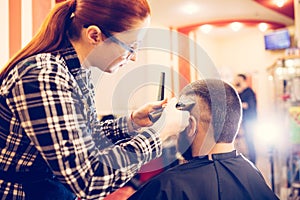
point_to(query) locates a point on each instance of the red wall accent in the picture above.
(184, 72)
(14, 27)
(287, 10)
(189, 28)
(183, 62)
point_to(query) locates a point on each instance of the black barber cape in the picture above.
(227, 176)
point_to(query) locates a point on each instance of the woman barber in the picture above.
(52, 144)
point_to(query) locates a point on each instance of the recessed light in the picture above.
(263, 26)
(206, 28)
(190, 8)
(235, 26)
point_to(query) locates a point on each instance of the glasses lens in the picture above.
(133, 48)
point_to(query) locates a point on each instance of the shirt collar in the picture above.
(219, 156)
(223, 156)
(70, 56)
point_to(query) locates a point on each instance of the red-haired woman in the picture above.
(52, 144)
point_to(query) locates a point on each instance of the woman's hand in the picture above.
(140, 117)
(172, 121)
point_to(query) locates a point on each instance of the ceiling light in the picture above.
(236, 26)
(190, 8)
(280, 3)
(263, 26)
(206, 28)
(270, 78)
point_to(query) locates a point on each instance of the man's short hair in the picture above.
(224, 104)
(243, 76)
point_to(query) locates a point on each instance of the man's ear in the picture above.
(191, 129)
(94, 34)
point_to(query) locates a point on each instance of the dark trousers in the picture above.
(48, 189)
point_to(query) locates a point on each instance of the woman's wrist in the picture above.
(132, 126)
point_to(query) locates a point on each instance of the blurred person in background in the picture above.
(249, 119)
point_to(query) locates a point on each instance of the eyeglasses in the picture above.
(130, 48)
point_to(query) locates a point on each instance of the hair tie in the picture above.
(72, 5)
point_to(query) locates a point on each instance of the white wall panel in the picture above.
(26, 24)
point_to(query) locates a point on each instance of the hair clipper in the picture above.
(186, 105)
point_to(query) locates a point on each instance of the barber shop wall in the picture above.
(244, 52)
(18, 24)
(239, 52)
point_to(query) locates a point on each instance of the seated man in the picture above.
(214, 169)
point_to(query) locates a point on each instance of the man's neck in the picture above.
(244, 86)
(217, 149)
(221, 148)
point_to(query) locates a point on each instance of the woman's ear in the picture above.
(94, 34)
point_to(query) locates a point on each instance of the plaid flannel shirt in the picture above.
(48, 115)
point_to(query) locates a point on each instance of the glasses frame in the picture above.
(119, 42)
(132, 50)
(125, 46)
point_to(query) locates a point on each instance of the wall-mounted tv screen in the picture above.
(276, 40)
